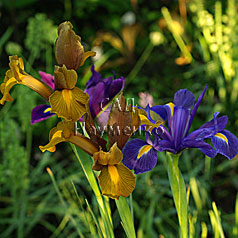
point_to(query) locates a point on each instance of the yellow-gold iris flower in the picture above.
(68, 101)
(17, 75)
(115, 178)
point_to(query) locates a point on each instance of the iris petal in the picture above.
(203, 146)
(69, 104)
(184, 98)
(102, 91)
(195, 108)
(40, 113)
(116, 181)
(217, 123)
(225, 143)
(179, 125)
(140, 156)
(47, 79)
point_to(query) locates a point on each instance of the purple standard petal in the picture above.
(184, 98)
(114, 87)
(97, 101)
(40, 113)
(94, 79)
(139, 155)
(101, 92)
(225, 143)
(47, 79)
(179, 125)
(195, 108)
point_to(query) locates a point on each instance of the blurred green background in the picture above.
(159, 47)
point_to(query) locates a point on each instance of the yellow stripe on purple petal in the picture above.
(47, 110)
(171, 106)
(144, 150)
(222, 136)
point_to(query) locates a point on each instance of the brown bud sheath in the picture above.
(68, 48)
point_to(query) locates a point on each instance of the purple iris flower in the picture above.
(100, 91)
(176, 138)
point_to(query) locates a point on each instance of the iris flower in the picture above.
(100, 91)
(141, 155)
(115, 178)
(67, 101)
(16, 75)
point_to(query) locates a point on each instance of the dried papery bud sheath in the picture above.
(68, 48)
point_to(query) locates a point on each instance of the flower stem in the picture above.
(179, 192)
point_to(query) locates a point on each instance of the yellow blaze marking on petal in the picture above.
(145, 149)
(112, 170)
(171, 105)
(221, 136)
(67, 95)
(47, 110)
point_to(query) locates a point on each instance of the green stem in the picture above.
(179, 192)
(86, 165)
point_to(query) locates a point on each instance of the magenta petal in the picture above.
(40, 113)
(47, 79)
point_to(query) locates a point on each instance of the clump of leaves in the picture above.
(41, 33)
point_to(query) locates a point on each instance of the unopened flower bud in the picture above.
(68, 48)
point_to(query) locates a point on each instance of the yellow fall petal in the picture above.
(65, 132)
(55, 139)
(116, 180)
(58, 134)
(69, 104)
(5, 88)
